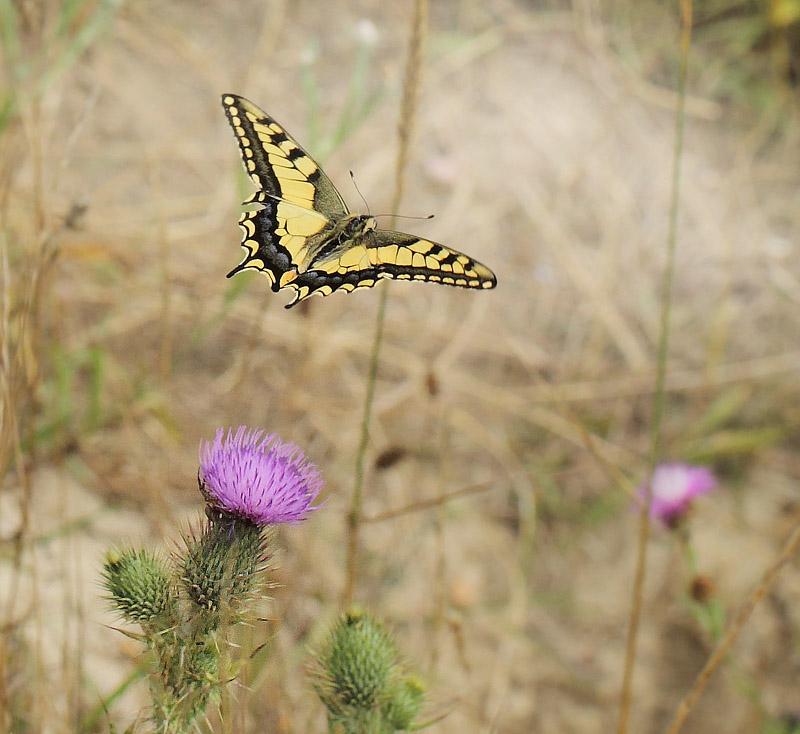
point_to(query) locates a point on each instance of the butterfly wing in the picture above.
(296, 201)
(276, 163)
(277, 236)
(407, 257)
(385, 254)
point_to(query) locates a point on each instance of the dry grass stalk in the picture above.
(661, 371)
(408, 108)
(742, 616)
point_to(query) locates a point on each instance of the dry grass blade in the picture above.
(428, 504)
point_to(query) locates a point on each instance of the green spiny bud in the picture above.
(356, 669)
(139, 585)
(222, 564)
(405, 704)
(360, 660)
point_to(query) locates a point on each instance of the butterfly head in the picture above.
(360, 224)
(355, 227)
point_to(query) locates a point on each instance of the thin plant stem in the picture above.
(225, 702)
(165, 316)
(767, 580)
(408, 108)
(354, 517)
(661, 369)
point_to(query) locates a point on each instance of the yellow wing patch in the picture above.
(291, 224)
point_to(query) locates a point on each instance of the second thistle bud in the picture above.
(358, 676)
(405, 704)
(360, 660)
(140, 587)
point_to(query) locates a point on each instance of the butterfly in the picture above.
(298, 231)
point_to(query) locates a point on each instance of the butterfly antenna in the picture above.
(353, 178)
(403, 216)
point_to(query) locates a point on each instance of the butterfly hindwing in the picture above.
(276, 235)
(276, 163)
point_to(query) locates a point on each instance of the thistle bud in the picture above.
(358, 675)
(223, 565)
(405, 704)
(139, 586)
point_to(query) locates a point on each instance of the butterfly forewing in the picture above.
(406, 257)
(276, 163)
(396, 255)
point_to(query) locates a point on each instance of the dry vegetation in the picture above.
(544, 154)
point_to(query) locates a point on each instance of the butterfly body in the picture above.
(298, 231)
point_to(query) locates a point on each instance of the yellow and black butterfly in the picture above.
(299, 233)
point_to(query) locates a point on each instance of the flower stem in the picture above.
(354, 516)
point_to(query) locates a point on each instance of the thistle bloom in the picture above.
(673, 487)
(257, 478)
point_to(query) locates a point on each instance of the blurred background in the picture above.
(544, 145)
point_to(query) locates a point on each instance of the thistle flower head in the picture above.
(673, 487)
(257, 478)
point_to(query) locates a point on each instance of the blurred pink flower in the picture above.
(673, 487)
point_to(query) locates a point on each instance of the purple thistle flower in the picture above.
(673, 487)
(258, 478)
